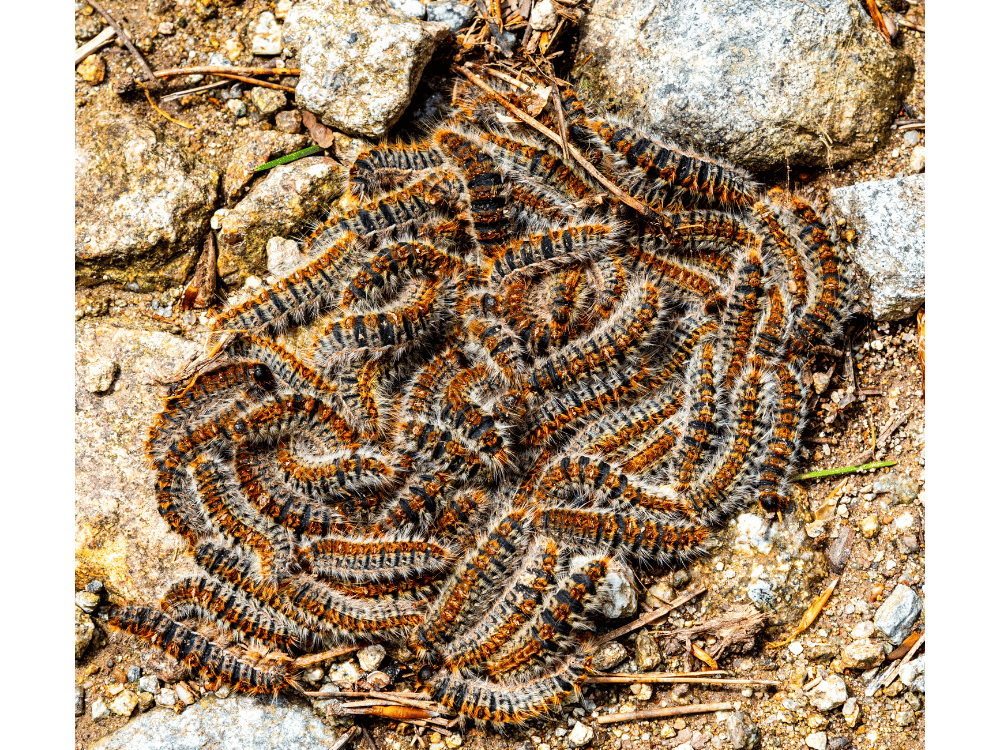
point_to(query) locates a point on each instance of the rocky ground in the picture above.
(158, 203)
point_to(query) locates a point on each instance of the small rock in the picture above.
(236, 107)
(313, 675)
(816, 740)
(851, 711)
(743, 733)
(453, 741)
(124, 704)
(223, 692)
(795, 647)
(898, 613)
(149, 684)
(166, 28)
(869, 526)
(289, 121)
(647, 653)
(99, 710)
(911, 137)
(889, 255)
(863, 629)
(681, 579)
(282, 7)
(905, 716)
(146, 701)
(95, 587)
(641, 690)
(409, 8)
(830, 693)
(134, 673)
(543, 16)
(267, 101)
(608, 656)
(185, 694)
(265, 35)
(862, 654)
(87, 601)
(451, 13)
(838, 552)
(370, 657)
(81, 700)
(911, 674)
(616, 596)
(99, 374)
(917, 160)
(659, 593)
(821, 381)
(92, 69)
(581, 736)
(820, 652)
(681, 693)
(761, 594)
(84, 632)
(345, 672)
(166, 697)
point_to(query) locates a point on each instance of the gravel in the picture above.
(453, 14)
(911, 674)
(895, 618)
(743, 733)
(830, 693)
(816, 740)
(617, 596)
(265, 35)
(862, 654)
(149, 684)
(370, 657)
(99, 710)
(647, 653)
(267, 101)
(84, 627)
(134, 673)
(124, 703)
(581, 735)
(608, 656)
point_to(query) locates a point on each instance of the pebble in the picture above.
(146, 701)
(681, 693)
(99, 374)
(795, 647)
(761, 594)
(84, 628)
(223, 692)
(581, 736)
(453, 741)
(236, 107)
(81, 700)
(851, 711)
(869, 526)
(344, 672)
(911, 674)
(94, 587)
(911, 137)
(658, 594)
(124, 704)
(918, 160)
(617, 596)
(185, 694)
(166, 28)
(313, 675)
(830, 693)
(821, 381)
(267, 101)
(608, 656)
(410, 8)
(543, 16)
(838, 552)
(816, 740)
(370, 657)
(863, 629)
(289, 121)
(92, 69)
(641, 690)
(266, 35)
(134, 673)
(647, 653)
(452, 13)
(166, 697)
(905, 716)
(898, 613)
(149, 684)
(87, 601)
(681, 579)
(862, 654)
(99, 710)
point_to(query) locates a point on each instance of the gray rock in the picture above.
(239, 723)
(81, 701)
(166, 698)
(898, 612)
(288, 121)
(451, 13)
(134, 673)
(659, 594)
(255, 148)
(838, 552)
(743, 733)
(236, 107)
(142, 207)
(410, 8)
(609, 655)
(120, 536)
(99, 710)
(149, 684)
(87, 601)
(862, 654)
(265, 35)
(905, 716)
(761, 594)
(359, 66)
(95, 587)
(911, 137)
(278, 205)
(830, 693)
(647, 653)
(681, 579)
(84, 628)
(581, 736)
(760, 83)
(267, 101)
(283, 256)
(901, 490)
(617, 596)
(370, 657)
(911, 674)
(889, 254)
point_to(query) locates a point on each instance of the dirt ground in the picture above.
(886, 368)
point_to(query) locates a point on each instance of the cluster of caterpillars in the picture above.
(511, 380)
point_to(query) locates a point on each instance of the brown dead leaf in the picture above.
(322, 135)
(200, 293)
(921, 353)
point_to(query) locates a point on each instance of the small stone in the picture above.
(681, 693)
(149, 684)
(87, 601)
(289, 121)
(911, 137)
(223, 692)
(851, 711)
(313, 675)
(185, 694)
(265, 36)
(581, 736)
(452, 13)
(99, 374)
(92, 69)
(816, 740)
(99, 710)
(838, 552)
(453, 741)
(641, 690)
(282, 7)
(146, 701)
(95, 587)
(743, 733)
(370, 657)
(863, 629)
(917, 160)
(898, 613)
(617, 596)
(166, 697)
(410, 8)
(821, 381)
(134, 673)
(795, 647)
(681, 579)
(267, 101)
(345, 672)
(905, 716)
(608, 656)
(84, 632)
(911, 674)
(815, 529)
(862, 654)
(125, 703)
(543, 16)
(830, 693)
(647, 653)
(81, 700)
(894, 689)
(869, 526)
(762, 595)
(236, 107)
(816, 721)
(166, 28)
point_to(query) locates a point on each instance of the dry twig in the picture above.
(653, 616)
(88, 48)
(663, 713)
(150, 78)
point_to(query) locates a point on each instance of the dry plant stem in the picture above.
(907, 25)
(870, 453)
(128, 43)
(888, 677)
(656, 614)
(509, 79)
(810, 614)
(195, 90)
(627, 675)
(172, 119)
(664, 713)
(226, 69)
(590, 168)
(88, 48)
(388, 696)
(654, 679)
(345, 738)
(843, 470)
(256, 82)
(307, 661)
